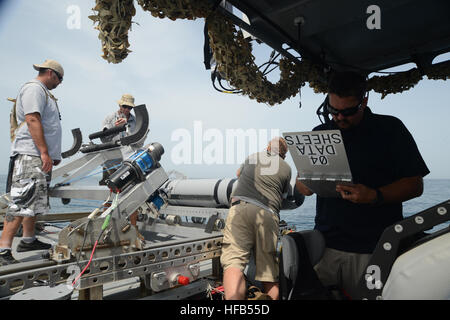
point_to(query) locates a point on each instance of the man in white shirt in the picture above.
(118, 118)
(34, 151)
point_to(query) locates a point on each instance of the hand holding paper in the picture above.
(357, 193)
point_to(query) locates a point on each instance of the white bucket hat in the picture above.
(50, 64)
(127, 100)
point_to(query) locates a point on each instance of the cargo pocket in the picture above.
(268, 232)
(23, 191)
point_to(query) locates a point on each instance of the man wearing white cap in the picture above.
(35, 149)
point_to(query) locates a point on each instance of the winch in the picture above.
(135, 168)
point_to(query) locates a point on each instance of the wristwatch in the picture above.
(379, 198)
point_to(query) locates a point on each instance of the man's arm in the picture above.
(34, 124)
(304, 190)
(108, 123)
(401, 190)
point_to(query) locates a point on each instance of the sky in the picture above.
(165, 71)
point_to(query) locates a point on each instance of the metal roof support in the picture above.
(237, 21)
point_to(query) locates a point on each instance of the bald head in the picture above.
(278, 146)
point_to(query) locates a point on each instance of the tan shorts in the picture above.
(248, 228)
(29, 187)
(341, 268)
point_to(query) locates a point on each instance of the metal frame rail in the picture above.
(156, 265)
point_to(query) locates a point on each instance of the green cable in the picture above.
(106, 222)
(108, 217)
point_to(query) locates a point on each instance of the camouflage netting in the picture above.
(114, 21)
(439, 71)
(235, 61)
(233, 53)
(178, 9)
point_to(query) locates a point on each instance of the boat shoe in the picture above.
(35, 245)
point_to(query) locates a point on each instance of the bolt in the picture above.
(398, 228)
(160, 278)
(418, 219)
(194, 269)
(126, 228)
(299, 21)
(387, 246)
(441, 211)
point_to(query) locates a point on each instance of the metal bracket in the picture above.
(141, 130)
(211, 223)
(77, 141)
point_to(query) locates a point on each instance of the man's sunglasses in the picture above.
(60, 78)
(127, 107)
(345, 112)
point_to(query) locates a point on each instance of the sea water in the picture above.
(435, 192)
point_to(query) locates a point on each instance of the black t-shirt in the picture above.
(380, 150)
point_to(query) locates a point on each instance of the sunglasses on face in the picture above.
(345, 112)
(60, 78)
(126, 107)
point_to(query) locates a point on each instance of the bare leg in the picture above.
(272, 289)
(10, 227)
(234, 284)
(28, 227)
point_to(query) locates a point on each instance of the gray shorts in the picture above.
(29, 187)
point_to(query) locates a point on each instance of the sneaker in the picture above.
(35, 245)
(6, 258)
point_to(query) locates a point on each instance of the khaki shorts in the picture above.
(29, 187)
(248, 228)
(341, 268)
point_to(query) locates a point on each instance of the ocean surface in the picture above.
(435, 192)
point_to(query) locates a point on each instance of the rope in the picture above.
(86, 176)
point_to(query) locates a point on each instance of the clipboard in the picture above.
(320, 159)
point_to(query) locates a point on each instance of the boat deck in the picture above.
(168, 250)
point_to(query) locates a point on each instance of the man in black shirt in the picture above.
(387, 169)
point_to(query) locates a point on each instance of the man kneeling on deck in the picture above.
(253, 221)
